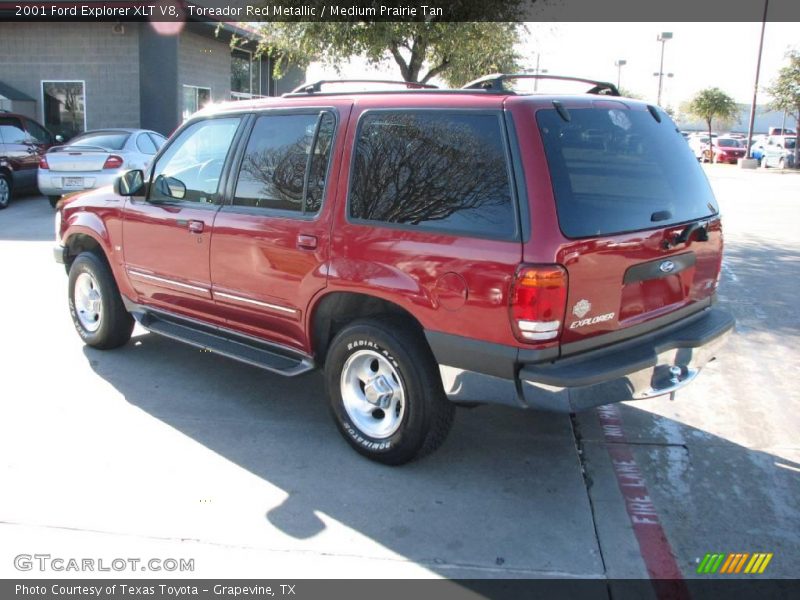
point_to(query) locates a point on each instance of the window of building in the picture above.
(241, 71)
(194, 98)
(286, 162)
(64, 107)
(433, 170)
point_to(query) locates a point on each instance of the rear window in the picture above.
(433, 170)
(109, 140)
(619, 170)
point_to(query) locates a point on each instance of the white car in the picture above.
(95, 159)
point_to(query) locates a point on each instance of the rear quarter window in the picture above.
(433, 170)
(619, 170)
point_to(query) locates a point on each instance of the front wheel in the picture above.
(5, 190)
(95, 304)
(385, 392)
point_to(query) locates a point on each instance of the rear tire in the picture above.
(95, 304)
(54, 200)
(385, 392)
(782, 163)
(5, 190)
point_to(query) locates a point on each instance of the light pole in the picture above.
(619, 64)
(660, 85)
(752, 120)
(536, 71)
(662, 37)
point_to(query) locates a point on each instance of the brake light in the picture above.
(113, 162)
(538, 301)
(43, 163)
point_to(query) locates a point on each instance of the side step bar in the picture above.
(252, 351)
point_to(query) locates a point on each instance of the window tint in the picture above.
(145, 144)
(620, 170)
(38, 132)
(191, 167)
(275, 170)
(111, 140)
(433, 170)
(11, 131)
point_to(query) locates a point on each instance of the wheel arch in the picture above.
(334, 310)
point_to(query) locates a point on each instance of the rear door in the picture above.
(272, 240)
(167, 235)
(641, 233)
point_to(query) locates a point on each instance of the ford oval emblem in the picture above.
(667, 266)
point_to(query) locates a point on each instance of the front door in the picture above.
(270, 244)
(167, 235)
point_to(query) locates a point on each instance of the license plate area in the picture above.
(72, 182)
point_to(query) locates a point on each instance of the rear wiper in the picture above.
(685, 235)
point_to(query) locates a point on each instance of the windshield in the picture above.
(110, 140)
(618, 170)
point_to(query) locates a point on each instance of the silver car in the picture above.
(95, 159)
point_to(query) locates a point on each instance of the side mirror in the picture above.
(170, 187)
(59, 139)
(129, 184)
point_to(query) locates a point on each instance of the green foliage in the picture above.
(712, 103)
(453, 52)
(785, 92)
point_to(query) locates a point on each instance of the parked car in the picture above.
(724, 150)
(781, 131)
(698, 142)
(95, 159)
(779, 151)
(22, 142)
(422, 247)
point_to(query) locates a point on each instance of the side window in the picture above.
(11, 130)
(145, 145)
(285, 163)
(191, 167)
(433, 170)
(158, 140)
(38, 132)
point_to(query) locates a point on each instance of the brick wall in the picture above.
(107, 62)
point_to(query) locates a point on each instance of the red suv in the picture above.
(423, 247)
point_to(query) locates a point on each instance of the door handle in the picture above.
(196, 226)
(307, 242)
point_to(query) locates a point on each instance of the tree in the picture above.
(454, 52)
(785, 92)
(710, 104)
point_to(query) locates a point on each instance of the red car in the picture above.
(725, 150)
(424, 247)
(22, 143)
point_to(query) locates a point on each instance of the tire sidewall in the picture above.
(410, 434)
(91, 265)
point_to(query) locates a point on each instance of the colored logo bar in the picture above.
(734, 562)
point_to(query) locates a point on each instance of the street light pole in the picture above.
(662, 37)
(755, 85)
(619, 64)
(536, 71)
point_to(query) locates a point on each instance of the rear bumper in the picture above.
(51, 183)
(647, 366)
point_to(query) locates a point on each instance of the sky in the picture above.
(699, 55)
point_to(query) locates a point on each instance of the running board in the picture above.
(246, 349)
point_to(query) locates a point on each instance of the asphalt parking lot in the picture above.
(160, 450)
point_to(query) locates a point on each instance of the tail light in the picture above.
(538, 300)
(43, 162)
(113, 162)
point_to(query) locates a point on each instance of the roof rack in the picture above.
(494, 83)
(316, 86)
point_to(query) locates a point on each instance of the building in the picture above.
(78, 76)
(765, 118)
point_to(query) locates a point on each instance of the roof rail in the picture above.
(494, 83)
(316, 86)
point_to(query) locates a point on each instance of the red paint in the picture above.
(654, 545)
